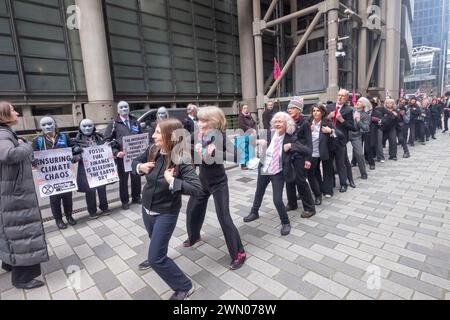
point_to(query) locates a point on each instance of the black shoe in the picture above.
(308, 214)
(285, 229)
(364, 177)
(138, 201)
(393, 158)
(318, 201)
(372, 167)
(352, 184)
(71, 220)
(187, 243)
(61, 225)
(6, 267)
(239, 261)
(244, 167)
(30, 285)
(144, 265)
(125, 206)
(251, 217)
(445, 131)
(291, 208)
(433, 137)
(299, 197)
(106, 211)
(406, 156)
(94, 216)
(182, 295)
(343, 189)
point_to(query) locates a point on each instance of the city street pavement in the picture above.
(387, 239)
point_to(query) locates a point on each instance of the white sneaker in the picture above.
(382, 161)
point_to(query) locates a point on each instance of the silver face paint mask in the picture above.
(123, 108)
(162, 114)
(87, 127)
(47, 125)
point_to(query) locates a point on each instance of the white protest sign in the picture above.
(55, 172)
(99, 166)
(133, 146)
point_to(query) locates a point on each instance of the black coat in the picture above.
(116, 130)
(302, 140)
(156, 195)
(349, 123)
(80, 142)
(246, 122)
(389, 121)
(189, 125)
(286, 160)
(267, 117)
(328, 143)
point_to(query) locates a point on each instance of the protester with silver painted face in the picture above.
(88, 137)
(161, 114)
(22, 239)
(52, 139)
(121, 126)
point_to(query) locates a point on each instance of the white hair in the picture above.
(290, 124)
(191, 107)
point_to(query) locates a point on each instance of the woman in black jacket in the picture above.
(389, 124)
(167, 179)
(324, 138)
(88, 137)
(211, 150)
(275, 167)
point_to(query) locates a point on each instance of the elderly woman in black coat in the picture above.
(22, 240)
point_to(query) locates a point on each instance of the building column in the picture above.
(393, 35)
(362, 48)
(259, 62)
(382, 53)
(247, 53)
(94, 49)
(333, 80)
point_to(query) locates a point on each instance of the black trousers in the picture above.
(22, 274)
(160, 229)
(391, 135)
(338, 157)
(55, 205)
(412, 132)
(369, 154)
(123, 184)
(437, 122)
(402, 135)
(348, 165)
(432, 127)
(446, 117)
(277, 191)
(215, 184)
(420, 130)
(303, 187)
(91, 200)
(315, 177)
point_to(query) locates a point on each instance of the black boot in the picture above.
(70, 220)
(61, 225)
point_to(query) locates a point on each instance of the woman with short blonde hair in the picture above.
(214, 117)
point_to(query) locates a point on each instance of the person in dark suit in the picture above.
(301, 157)
(167, 179)
(362, 124)
(275, 167)
(324, 139)
(446, 110)
(267, 115)
(389, 124)
(190, 122)
(341, 116)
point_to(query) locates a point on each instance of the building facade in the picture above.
(430, 38)
(77, 58)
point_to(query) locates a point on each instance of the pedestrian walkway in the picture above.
(396, 225)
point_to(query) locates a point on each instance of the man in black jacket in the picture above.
(124, 125)
(301, 149)
(190, 122)
(341, 116)
(267, 115)
(446, 111)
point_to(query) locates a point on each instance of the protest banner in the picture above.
(99, 166)
(56, 173)
(133, 146)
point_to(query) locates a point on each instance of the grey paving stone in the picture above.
(105, 280)
(75, 240)
(296, 284)
(417, 285)
(262, 294)
(145, 294)
(342, 267)
(71, 261)
(316, 266)
(214, 284)
(103, 231)
(104, 251)
(333, 230)
(203, 294)
(320, 240)
(51, 265)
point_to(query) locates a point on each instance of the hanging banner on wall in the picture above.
(99, 166)
(133, 146)
(56, 173)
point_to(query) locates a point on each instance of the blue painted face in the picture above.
(123, 108)
(47, 125)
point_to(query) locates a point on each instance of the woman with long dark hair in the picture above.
(168, 175)
(211, 149)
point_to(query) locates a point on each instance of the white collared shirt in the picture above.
(267, 168)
